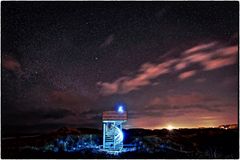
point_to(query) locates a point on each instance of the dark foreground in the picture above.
(85, 143)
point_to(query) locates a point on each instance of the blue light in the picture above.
(120, 109)
(119, 137)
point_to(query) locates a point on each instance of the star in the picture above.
(83, 56)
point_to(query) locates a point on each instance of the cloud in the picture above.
(138, 114)
(36, 115)
(107, 41)
(214, 56)
(146, 73)
(45, 106)
(186, 74)
(218, 63)
(200, 80)
(108, 88)
(92, 114)
(57, 113)
(65, 98)
(181, 65)
(208, 56)
(178, 105)
(187, 99)
(11, 64)
(200, 47)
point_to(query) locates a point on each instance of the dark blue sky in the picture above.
(172, 63)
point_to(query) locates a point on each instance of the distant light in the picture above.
(170, 127)
(120, 109)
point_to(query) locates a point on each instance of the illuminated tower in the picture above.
(112, 129)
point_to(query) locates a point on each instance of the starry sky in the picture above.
(171, 63)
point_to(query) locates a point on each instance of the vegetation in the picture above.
(86, 143)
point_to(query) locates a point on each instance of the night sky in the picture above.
(171, 63)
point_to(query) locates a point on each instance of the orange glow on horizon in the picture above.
(170, 127)
(195, 119)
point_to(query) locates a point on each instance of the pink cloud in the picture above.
(186, 74)
(134, 84)
(200, 47)
(197, 57)
(218, 63)
(181, 65)
(218, 57)
(11, 64)
(209, 56)
(228, 51)
(147, 72)
(108, 88)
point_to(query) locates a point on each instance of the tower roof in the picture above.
(113, 115)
